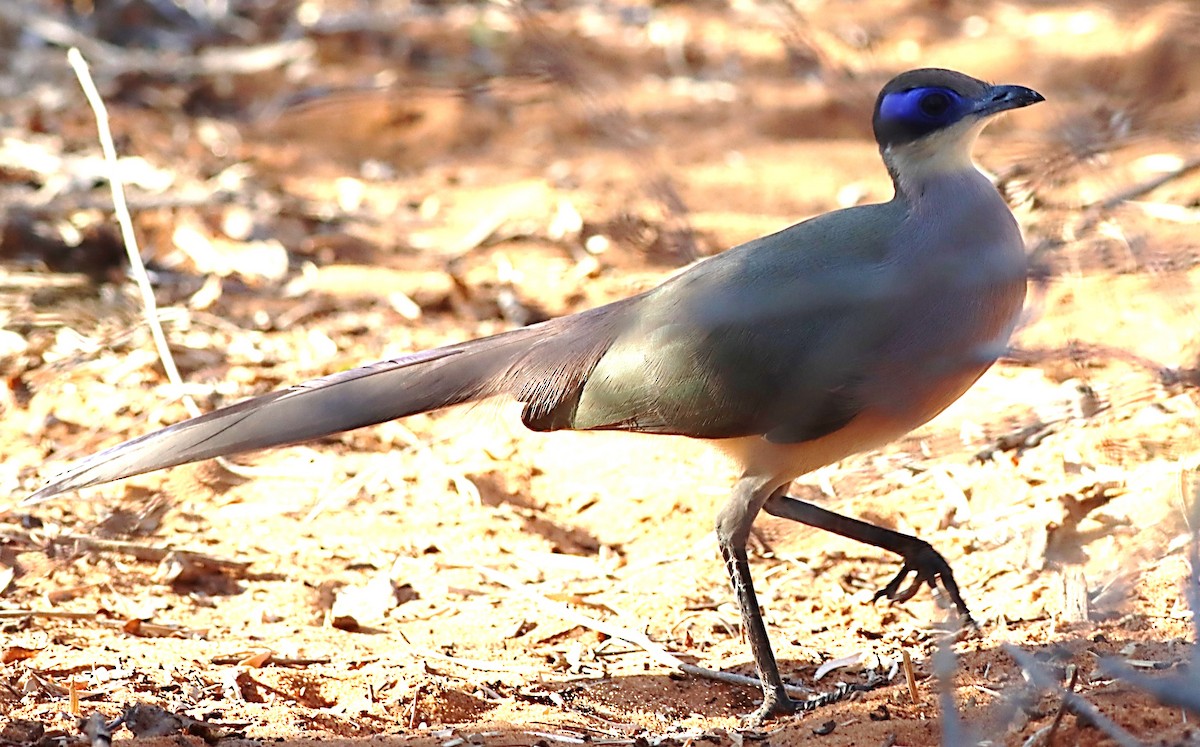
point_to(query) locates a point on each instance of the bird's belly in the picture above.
(908, 404)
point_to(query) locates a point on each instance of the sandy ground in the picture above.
(417, 175)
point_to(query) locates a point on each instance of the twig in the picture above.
(476, 664)
(140, 628)
(565, 738)
(17, 280)
(347, 490)
(954, 731)
(125, 220)
(910, 676)
(1037, 738)
(135, 626)
(632, 637)
(371, 21)
(1062, 707)
(1073, 701)
(280, 661)
(46, 614)
(139, 550)
(129, 238)
(1193, 587)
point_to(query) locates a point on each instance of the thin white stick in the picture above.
(125, 220)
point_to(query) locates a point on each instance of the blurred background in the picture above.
(320, 183)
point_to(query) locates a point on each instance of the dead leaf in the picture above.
(256, 660)
(17, 653)
(355, 606)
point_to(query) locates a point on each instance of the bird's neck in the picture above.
(960, 216)
(932, 192)
(917, 168)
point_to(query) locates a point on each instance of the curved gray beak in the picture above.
(1002, 98)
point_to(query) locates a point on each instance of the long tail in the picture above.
(542, 365)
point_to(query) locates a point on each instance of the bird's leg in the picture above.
(733, 528)
(921, 561)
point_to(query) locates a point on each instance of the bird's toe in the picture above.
(927, 567)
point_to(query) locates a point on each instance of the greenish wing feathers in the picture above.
(703, 356)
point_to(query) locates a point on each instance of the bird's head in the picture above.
(926, 121)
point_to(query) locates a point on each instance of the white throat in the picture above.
(942, 153)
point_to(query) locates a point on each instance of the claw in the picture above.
(927, 566)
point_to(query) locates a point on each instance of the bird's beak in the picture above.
(1002, 98)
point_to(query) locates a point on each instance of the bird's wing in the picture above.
(770, 338)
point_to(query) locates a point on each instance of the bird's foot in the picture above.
(776, 703)
(926, 565)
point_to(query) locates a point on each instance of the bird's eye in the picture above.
(934, 104)
(911, 113)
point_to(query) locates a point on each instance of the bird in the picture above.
(787, 353)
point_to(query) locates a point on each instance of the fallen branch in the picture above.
(271, 660)
(135, 626)
(632, 637)
(138, 550)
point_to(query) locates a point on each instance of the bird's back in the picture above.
(793, 335)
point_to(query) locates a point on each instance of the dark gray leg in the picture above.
(920, 559)
(733, 528)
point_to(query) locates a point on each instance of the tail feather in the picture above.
(546, 362)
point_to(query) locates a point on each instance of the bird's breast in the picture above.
(955, 292)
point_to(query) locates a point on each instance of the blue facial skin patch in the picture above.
(924, 109)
